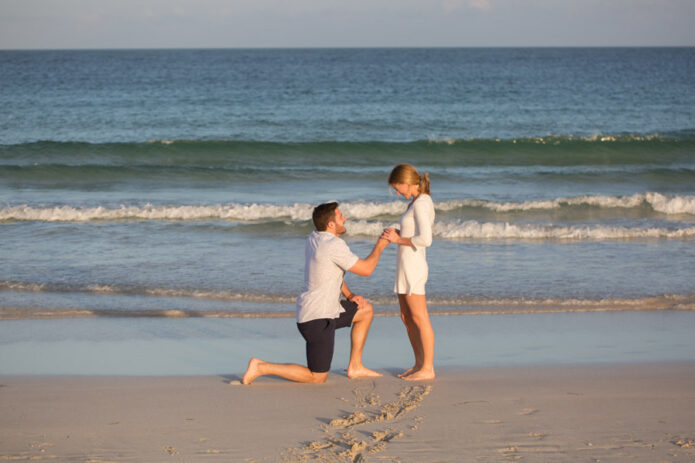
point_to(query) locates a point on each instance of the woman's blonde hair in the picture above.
(405, 173)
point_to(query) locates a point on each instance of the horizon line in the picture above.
(368, 47)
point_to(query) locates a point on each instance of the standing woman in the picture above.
(413, 239)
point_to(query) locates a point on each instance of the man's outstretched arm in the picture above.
(365, 267)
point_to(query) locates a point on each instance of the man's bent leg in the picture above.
(360, 329)
(319, 335)
(290, 371)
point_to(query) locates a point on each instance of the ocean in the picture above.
(167, 184)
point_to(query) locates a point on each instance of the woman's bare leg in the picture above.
(413, 335)
(417, 305)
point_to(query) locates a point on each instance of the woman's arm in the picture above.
(423, 215)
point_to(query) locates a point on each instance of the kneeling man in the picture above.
(320, 310)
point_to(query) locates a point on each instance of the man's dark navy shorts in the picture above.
(319, 335)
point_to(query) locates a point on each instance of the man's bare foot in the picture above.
(362, 372)
(420, 375)
(252, 372)
(408, 372)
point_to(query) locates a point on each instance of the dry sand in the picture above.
(638, 412)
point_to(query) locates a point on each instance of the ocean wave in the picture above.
(559, 139)
(474, 230)
(602, 150)
(131, 290)
(439, 306)
(658, 202)
(290, 298)
(355, 210)
(237, 212)
(233, 211)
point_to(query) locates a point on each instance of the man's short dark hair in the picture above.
(323, 213)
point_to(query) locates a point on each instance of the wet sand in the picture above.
(626, 412)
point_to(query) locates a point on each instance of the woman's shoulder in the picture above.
(424, 204)
(424, 198)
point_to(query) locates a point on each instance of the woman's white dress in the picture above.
(411, 266)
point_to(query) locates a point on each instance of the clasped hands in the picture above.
(391, 235)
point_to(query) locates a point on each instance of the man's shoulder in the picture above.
(325, 237)
(326, 241)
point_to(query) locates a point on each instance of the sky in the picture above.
(77, 24)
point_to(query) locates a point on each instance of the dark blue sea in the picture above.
(161, 184)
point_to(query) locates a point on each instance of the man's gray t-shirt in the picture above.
(328, 257)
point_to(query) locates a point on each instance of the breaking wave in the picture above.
(656, 202)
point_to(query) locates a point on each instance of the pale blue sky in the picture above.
(345, 23)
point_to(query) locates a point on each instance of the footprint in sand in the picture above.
(684, 443)
(511, 453)
(343, 446)
(416, 423)
(351, 420)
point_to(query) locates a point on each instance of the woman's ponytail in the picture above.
(425, 183)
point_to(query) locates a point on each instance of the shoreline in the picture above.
(199, 346)
(256, 306)
(610, 412)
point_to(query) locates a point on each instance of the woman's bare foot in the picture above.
(362, 372)
(252, 372)
(420, 375)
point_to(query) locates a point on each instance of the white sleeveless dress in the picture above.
(411, 265)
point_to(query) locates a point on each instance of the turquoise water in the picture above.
(168, 183)
(343, 94)
(155, 346)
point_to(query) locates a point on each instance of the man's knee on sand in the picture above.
(319, 378)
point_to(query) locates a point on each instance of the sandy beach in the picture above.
(628, 412)
(154, 212)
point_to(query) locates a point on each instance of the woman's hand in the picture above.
(392, 235)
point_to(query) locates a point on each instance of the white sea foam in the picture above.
(234, 211)
(554, 140)
(222, 295)
(671, 205)
(474, 230)
(658, 202)
(386, 306)
(679, 300)
(240, 212)
(358, 210)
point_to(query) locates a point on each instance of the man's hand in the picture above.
(365, 267)
(391, 235)
(360, 301)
